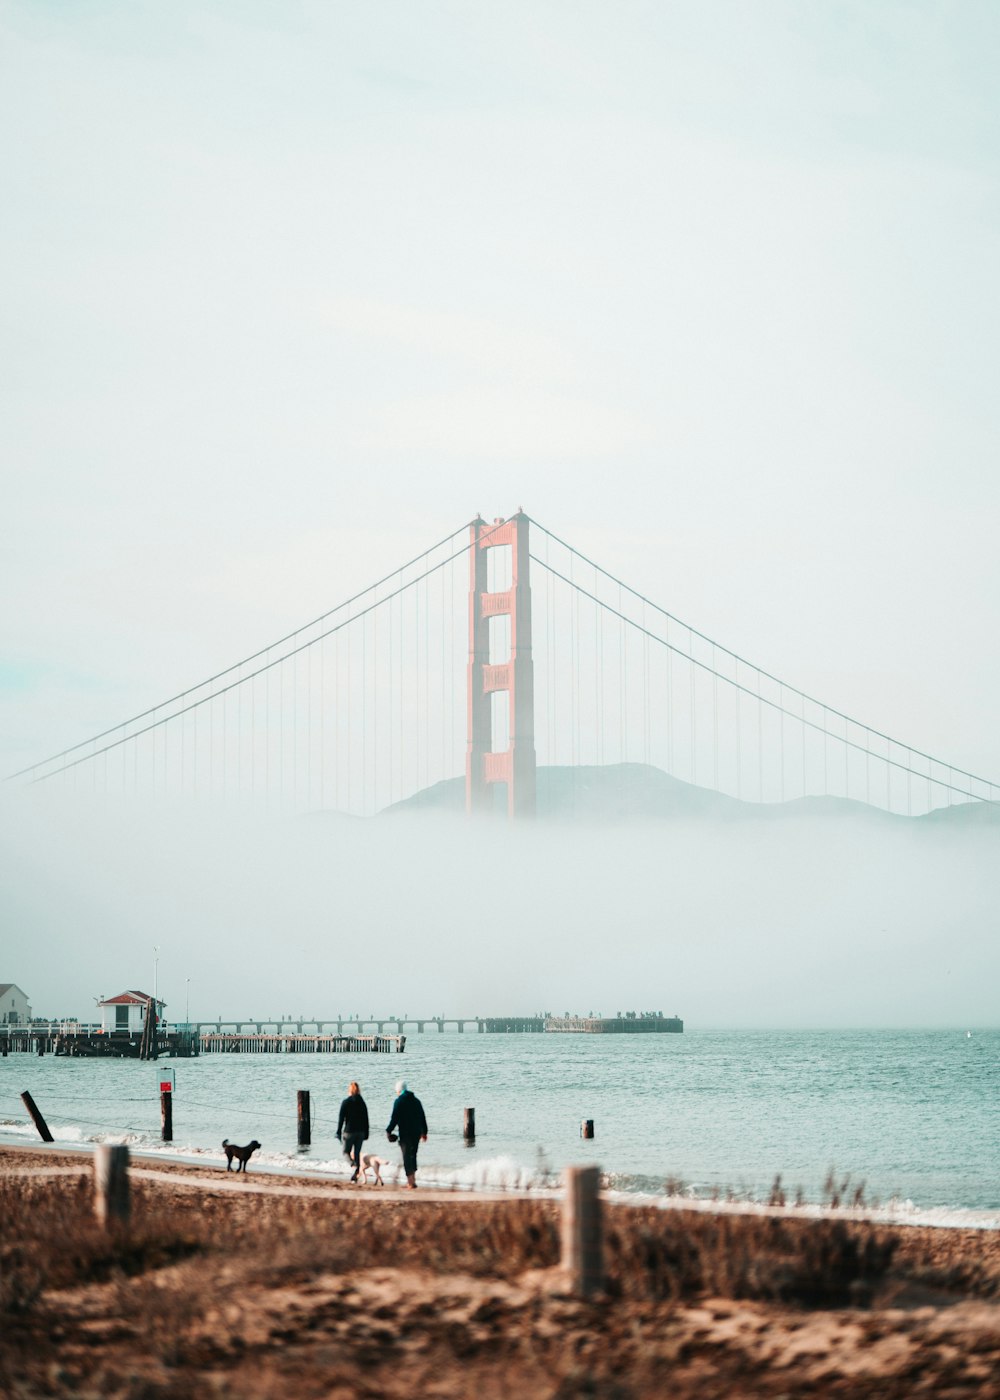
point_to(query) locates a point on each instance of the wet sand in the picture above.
(266, 1285)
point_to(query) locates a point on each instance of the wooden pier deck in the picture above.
(91, 1043)
(215, 1043)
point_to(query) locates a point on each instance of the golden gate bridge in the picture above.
(502, 655)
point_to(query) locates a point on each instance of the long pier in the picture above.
(328, 1036)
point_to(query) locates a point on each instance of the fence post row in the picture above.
(112, 1202)
(582, 1234)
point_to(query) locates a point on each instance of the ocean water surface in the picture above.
(911, 1119)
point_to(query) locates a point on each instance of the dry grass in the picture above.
(51, 1241)
(211, 1289)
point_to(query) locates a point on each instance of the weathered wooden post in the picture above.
(36, 1117)
(587, 1128)
(112, 1202)
(582, 1237)
(305, 1119)
(469, 1126)
(166, 1115)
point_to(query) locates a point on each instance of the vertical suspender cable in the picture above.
(239, 734)
(402, 696)
(909, 787)
(598, 658)
(622, 725)
(670, 703)
(645, 686)
(225, 735)
(322, 725)
(599, 673)
(309, 726)
(847, 760)
(760, 743)
(392, 693)
(739, 730)
(693, 708)
(625, 696)
(715, 722)
(781, 722)
(445, 765)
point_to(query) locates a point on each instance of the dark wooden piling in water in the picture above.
(582, 1233)
(469, 1126)
(112, 1202)
(305, 1118)
(587, 1128)
(36, 1117)
(166, 1116)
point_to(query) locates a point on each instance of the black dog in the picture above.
(242, 1154)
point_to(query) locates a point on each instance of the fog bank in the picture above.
(791, 921)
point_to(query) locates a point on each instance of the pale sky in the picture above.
(291, 289)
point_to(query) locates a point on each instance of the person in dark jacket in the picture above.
(411, 1127)
(353, 1124)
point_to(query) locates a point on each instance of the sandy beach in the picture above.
(259, 1285)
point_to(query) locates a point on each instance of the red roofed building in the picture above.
(127, 1012)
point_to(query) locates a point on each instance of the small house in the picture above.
(126, 1013)
(14, 1008)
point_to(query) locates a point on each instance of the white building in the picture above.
(14, 1008)
(127, 1012)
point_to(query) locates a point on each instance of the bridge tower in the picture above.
(512, 673)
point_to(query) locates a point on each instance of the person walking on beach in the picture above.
(353, 1124)
(411, 1126)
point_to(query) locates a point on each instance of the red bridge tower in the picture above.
(491, 672)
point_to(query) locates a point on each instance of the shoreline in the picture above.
(208, 1169)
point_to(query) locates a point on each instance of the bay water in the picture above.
(910, 1120)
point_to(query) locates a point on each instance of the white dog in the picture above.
(370, 1162)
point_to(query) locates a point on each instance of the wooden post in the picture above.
(587, 1128)
(469, 1127)
(582, 1241)
(111, 1187)
(166, 1116)
(36, 1117)
(305, 1119)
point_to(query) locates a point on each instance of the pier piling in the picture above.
(166, 1116)
(305, 1118)
(469, 1126)
(36, 1117)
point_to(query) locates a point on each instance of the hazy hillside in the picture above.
(640, 792)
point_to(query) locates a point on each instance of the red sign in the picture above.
(166, 1086)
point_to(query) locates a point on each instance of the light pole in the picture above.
(156, 959)
(187, 1001)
